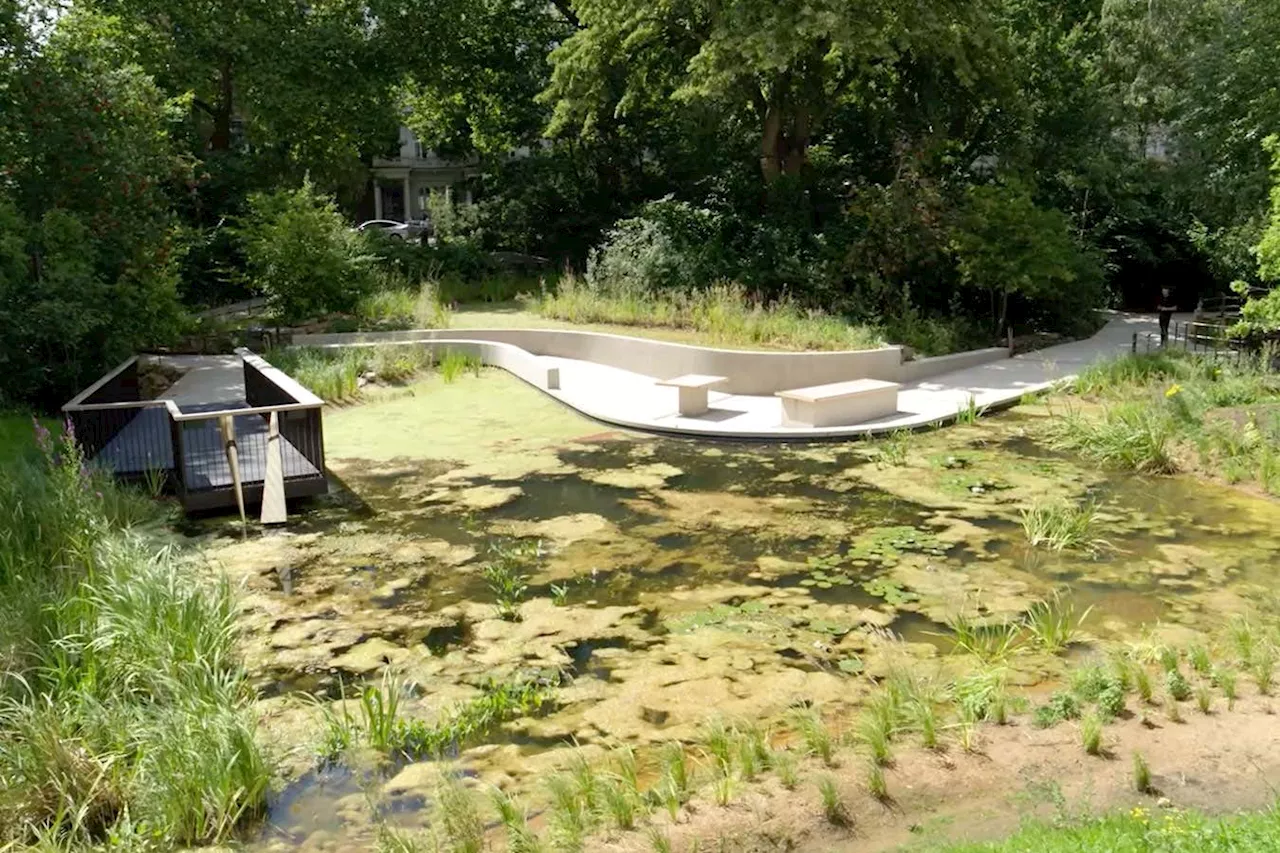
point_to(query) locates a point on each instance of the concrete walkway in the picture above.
(633, 400)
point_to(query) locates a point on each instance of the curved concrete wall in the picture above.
(749, 372)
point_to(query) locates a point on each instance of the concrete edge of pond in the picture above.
(631, 399)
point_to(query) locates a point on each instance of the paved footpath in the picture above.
(633, 400)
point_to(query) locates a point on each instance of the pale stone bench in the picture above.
(839, 403)
(693, 389)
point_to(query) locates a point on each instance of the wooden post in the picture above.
(227, 426)
(1010, 331)
(274, 508)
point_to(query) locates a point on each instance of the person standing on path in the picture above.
(1166, 309)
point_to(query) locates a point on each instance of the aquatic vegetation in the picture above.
(676, 778)
(969, 412)
(1089, 680)
(924, 718)
(833, 807)
(1142, 683)
(987, 642)
(452, 364)
(658, 840)
(893, 448)
(1110, 701)
(515, 823)
(569, 819)
(1053, 623)
(1062, 705)
(472, 720)
(621, 802)
(1198, 657)
(1132, 436)
(875, 729)
(1091, 733)
(456, 816)
(1141, 774)
(892, 593)
(1063, 525)
(380, 713)
(1204, 699)
(815, 734)
(559, 594)
(876, 784)
(506, 573)
(723, 788)
(1225, 680)
(1262, 668)
(1175, 684)
(783, 762)
(983, 695)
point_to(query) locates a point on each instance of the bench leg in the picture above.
(553, 379)
(693, 402)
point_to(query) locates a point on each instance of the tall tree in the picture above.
(789, 63)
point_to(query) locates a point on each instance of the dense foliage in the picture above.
(945, 169)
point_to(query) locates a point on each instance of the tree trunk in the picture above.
(784, 141)
(221, 138)
(771, 144)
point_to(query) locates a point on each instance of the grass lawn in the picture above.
(17, 435)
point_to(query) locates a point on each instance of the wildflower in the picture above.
(1173, 390)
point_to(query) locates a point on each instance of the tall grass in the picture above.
(397, 306)
(724, 314)
(122, 709)
(334, 374)
(1062, 525)
(1134, 436)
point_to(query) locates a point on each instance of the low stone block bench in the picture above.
(693, 389)
(839, 404)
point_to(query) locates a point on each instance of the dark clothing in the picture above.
(1165, 317)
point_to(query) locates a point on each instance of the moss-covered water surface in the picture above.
(675, 580)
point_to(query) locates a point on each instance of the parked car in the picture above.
(414, 229)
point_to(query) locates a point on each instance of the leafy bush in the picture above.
(301, 255)
(1006, 245)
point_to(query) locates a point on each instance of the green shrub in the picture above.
(301, 255)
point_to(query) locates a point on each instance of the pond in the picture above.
(680, 580)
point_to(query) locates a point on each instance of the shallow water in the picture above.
(752, 567)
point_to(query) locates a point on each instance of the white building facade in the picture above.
(402, 186)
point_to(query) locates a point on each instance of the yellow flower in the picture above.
(1174, 390)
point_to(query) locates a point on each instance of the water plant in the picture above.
(658, 840)
(1053, 623)
(498, 702)
(1198, 657)
(983, 695)
(1141, 774)
(815, 734)
(1091, 733)
(1204, 699)
(1225, 679)
(783, 762)
(1061, 526)
(507, 577)
(969, 412)
(924, 717)
(620, 802)
(718, 742)
(722, 789)
(515, 823)
(559, 594)
(456, 816)
(1110, 701)
(990, 643)
(1175, 684)
(1132, 436)
(1142, 683)
(452, 364)
(1262, 667)
(1062, 705)
(569, 817)
(676, 778)
(833, 806)
(893, 448)
(876, 784)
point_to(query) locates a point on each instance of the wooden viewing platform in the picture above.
(177, 436)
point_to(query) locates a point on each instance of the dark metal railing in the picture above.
(140, 438)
